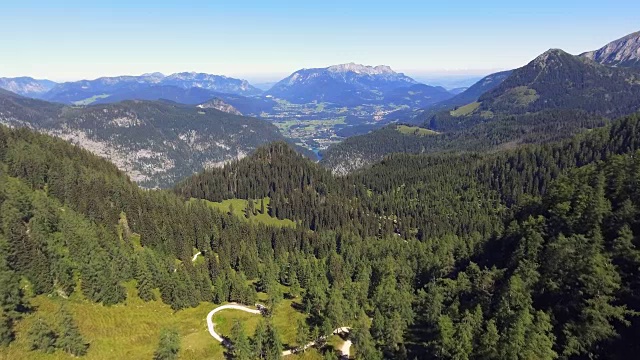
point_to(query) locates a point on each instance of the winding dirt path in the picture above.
(195, 257)
(345, 349)
(211, 325)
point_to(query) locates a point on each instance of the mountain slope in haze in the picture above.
(555, 95)
(458, 90)
(624, 52)
(191, 96)
(121, 86)
(350, 85)
(27, 86)
(476, 90)
(156, 143)
(219, 104)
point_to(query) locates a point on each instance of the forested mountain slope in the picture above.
(155, 142)
(556, 94)
(444, 253)
(521, 259)
(468, 96)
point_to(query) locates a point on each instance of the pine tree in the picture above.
(364, 345)
(42, 337)
(294, 289)
(489, 340)
(6, 330)
(12, 302)
(273, 345)
(168, 345)
(241, 347)
(302, 334)
(144, 285)
(259, 340)
(70, 339)
(329, 354)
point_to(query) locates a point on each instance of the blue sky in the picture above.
(265, 40)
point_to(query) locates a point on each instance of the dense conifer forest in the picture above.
(527, 253)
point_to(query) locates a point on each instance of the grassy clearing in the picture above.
(239, 206)
(520, 96)
(127, 331)
(90, 100)
(415, 130)
(131, 330)
(465, 110)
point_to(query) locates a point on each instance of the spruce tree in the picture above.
(302, 333)
(273, 344)
(42, 337)
(168, 345)
(144, 285)
(241, 347)
(294, 289)
(70, 339)
(259, 340)
(6, 330)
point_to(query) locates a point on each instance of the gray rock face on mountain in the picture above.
(26, 86)
(624, 52)
(218, 104)
(156, 143)
(218, 83)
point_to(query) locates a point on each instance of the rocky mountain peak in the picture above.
(362, 69)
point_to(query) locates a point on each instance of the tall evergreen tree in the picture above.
(42, 337)
(70, 339)
(241, 347)
(168, 345)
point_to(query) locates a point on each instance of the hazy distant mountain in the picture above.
(218, 83)
(471, 94)
(554, 96)
(155, 142)
(458, 90)
(89, 91)
(347, 84)
(623, 52)
(265, 85)
(219, 104)
(416, 96)
(26, 86)
(191, 96)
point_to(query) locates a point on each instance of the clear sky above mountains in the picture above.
(264, 40)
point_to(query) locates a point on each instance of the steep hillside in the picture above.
(471, 94)
(557, 79)
(156, 143)
(26, 86)
(624, 52)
